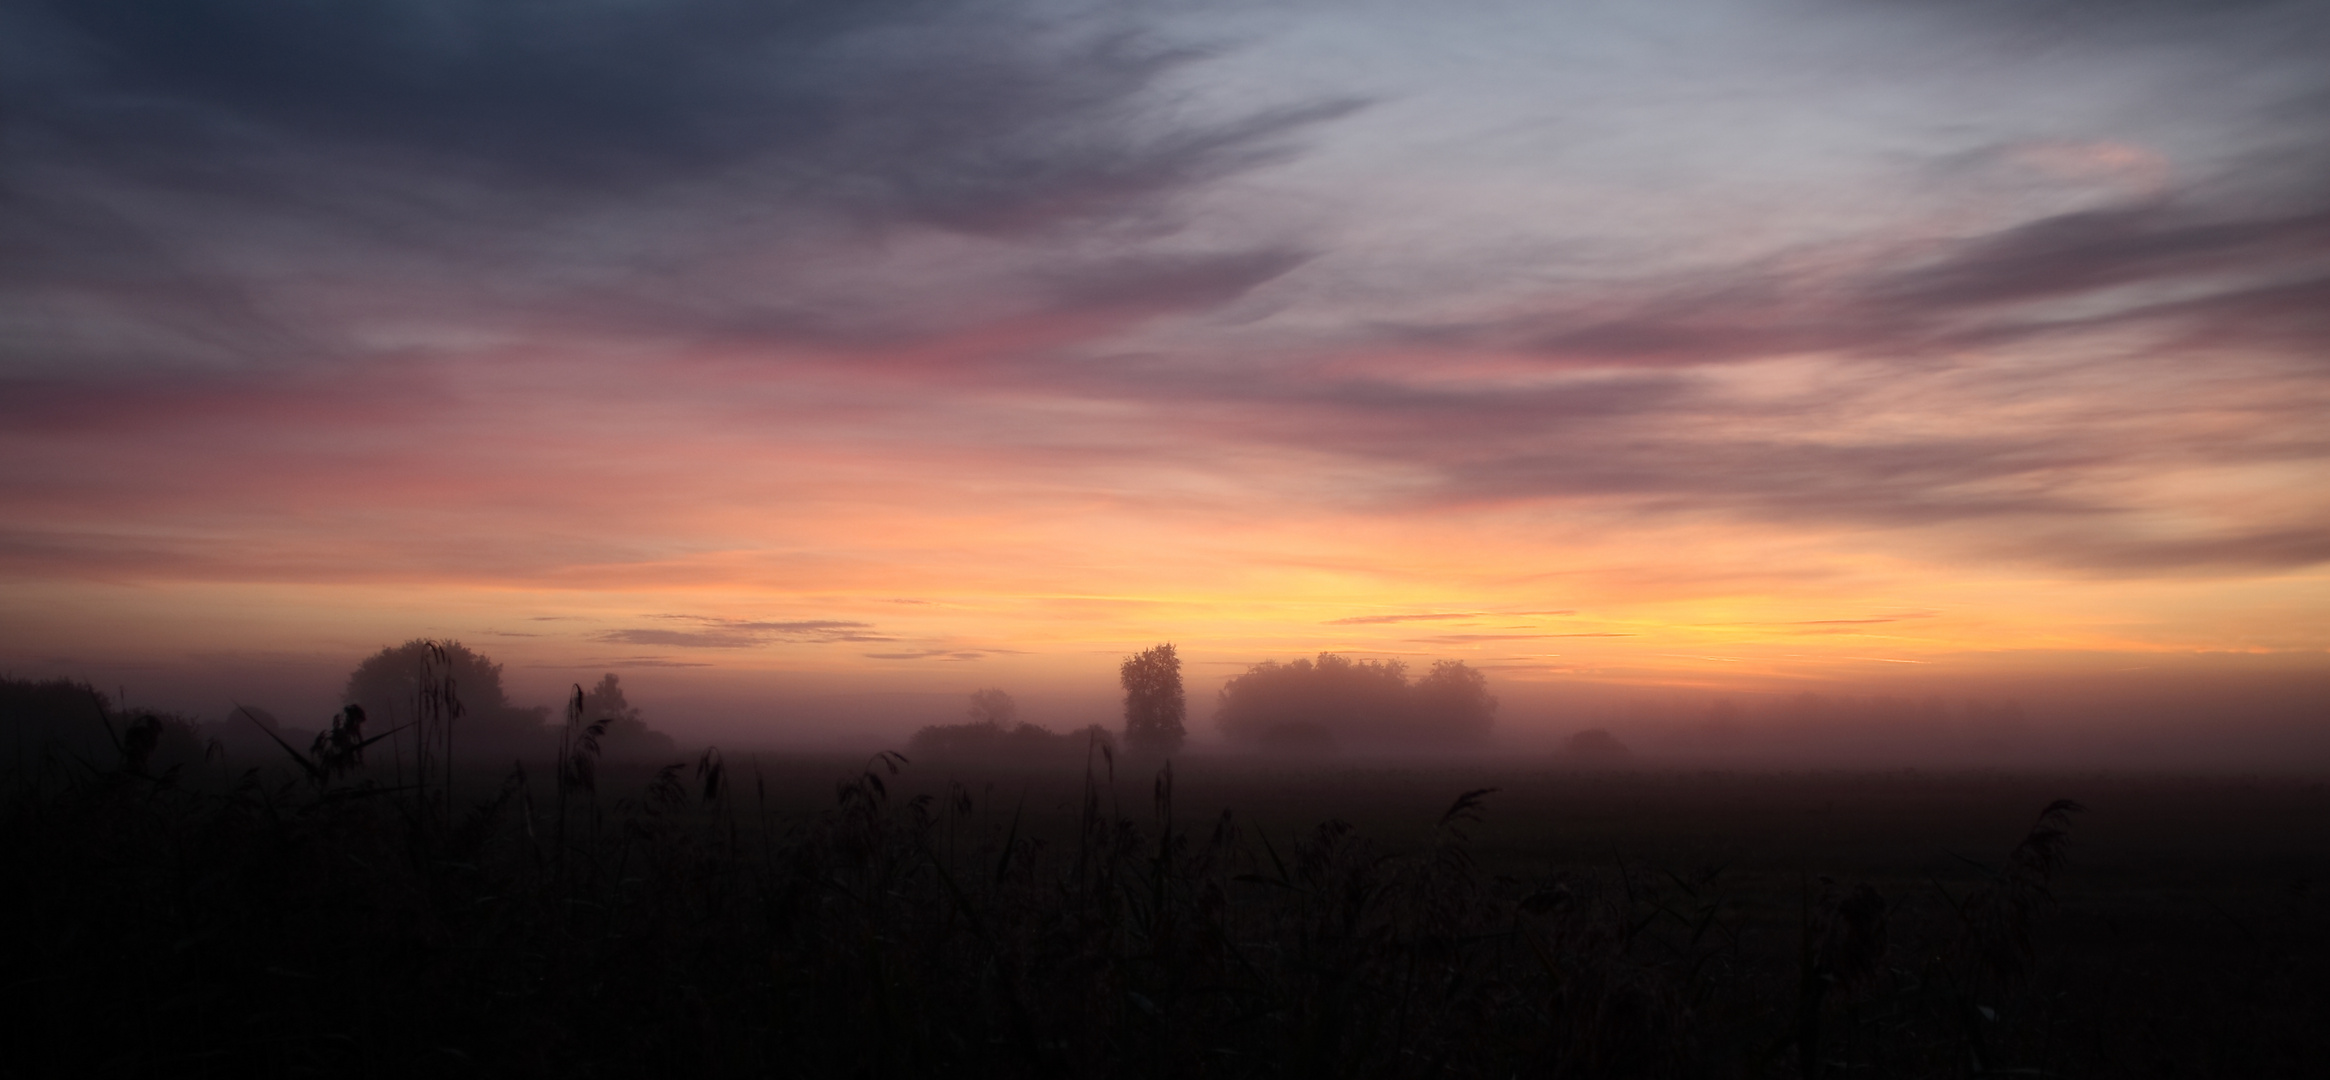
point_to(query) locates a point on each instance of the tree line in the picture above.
(1304, 705)
(387, 692)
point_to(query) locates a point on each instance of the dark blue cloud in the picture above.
(2068, 254)
(2248, 275)
(976, 116)
(176, 173)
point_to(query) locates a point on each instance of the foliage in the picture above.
(283, 927)
(1334, 700)
(76, 722)
(627, 734)
(390, 686)
(1453, 700)
(1594, 746)
(1154, 704)
(994, 742)
(993, 708)
(994, 734)
(685, 931)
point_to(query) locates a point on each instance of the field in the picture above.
(802, 915)
(2189, 934)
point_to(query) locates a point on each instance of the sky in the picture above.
(782, 352)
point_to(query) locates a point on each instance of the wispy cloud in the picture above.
(647, 662)
(1370, 620)
(1063, 311)
(1464, 639)
(742, 633)
(1860, 622)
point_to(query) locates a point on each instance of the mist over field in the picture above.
(880, 538)
(2223, 714)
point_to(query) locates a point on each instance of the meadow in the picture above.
(805, 915)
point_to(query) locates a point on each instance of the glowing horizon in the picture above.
(1708, 345)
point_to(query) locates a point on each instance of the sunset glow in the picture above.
(1706, 346)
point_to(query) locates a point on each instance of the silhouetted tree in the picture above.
(993, 707)
(1453, 699)
(1595, 745)
(994, 732)
(1154, 704)
(75, 721)
(1316, 704)
(388, 685)
(627, 734)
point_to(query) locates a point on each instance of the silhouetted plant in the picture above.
(303, 928)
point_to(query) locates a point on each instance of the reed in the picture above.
(332, 920)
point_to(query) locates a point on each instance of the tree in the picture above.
(994, 732)
(1454, 699)
(1595, 745)
(1154, 705)
(388, 683)
(628, 735)
(1315, 704)
(993, 708)
(605, 701)
(1318, 704)
(74, 720)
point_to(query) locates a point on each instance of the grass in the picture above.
(756, 917)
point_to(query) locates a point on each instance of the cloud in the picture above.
(1172, 282)
(233, 185)
(2248, 274)
(706, 640)
(743, 634)
(2200, 279)
(2263, 550)
(1779, 389)
(289, 294)
(1466, 639)
(814, 627)
(978, 116)
(1368, 620)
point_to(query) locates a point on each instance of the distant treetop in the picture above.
(994, 732)
(1154, 704)
(1333, 700)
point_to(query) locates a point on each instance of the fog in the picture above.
(2195, 713)
(2208, 717)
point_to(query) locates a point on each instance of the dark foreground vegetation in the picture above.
(358, 917)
